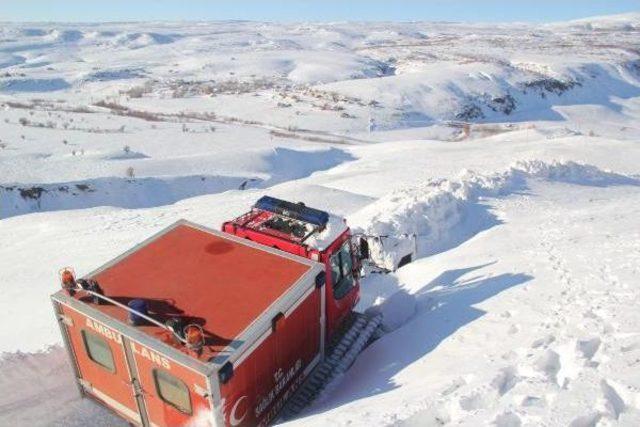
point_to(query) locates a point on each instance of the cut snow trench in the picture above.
(121, 192)
(444, 213)
(553, 367)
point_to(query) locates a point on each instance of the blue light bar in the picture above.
(293, 210)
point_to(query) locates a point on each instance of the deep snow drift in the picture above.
(505, 158)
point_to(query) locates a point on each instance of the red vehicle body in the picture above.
(261, 299)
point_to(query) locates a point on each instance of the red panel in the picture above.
(267, 240)
(337, 310)
(115, 386)
(161, 413)
(262, 382)
(217, 282)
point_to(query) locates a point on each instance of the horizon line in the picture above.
(346, 21)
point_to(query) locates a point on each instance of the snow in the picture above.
(433, 212)
(501, 322)
(322, 239)
(276, 165)
(503, 157)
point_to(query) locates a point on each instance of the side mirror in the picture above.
(321, 279)
(363, 248)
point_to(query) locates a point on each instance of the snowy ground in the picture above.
(521, 309)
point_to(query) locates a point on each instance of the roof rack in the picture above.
(298, 211)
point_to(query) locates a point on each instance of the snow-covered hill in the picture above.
(512, 151)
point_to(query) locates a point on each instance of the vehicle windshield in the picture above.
(342, 271)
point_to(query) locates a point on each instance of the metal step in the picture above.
(338, 360)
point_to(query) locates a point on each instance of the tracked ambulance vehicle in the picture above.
(239, 327)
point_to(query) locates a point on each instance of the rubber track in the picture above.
(342, 356)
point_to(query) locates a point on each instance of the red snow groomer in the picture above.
(236, 328)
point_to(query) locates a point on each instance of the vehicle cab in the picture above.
(311, 233)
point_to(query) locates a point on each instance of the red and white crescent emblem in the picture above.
(234, 420)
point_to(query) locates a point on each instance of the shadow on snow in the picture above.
(444, 305)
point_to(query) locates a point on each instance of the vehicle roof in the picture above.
(318, 238)
(204, 276)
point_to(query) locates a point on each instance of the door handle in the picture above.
(137, 388)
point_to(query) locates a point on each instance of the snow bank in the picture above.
(573, 173)
(277, 165)
(120, 192)
(66, 36)
(9, 60)
(396, 310)
(34, 85)
(432, 212)
(140, 40)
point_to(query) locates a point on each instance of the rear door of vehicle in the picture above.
(101, 361)
(174, 395)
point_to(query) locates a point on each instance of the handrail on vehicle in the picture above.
(130, 310)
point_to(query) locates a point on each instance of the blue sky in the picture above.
(308, 10)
